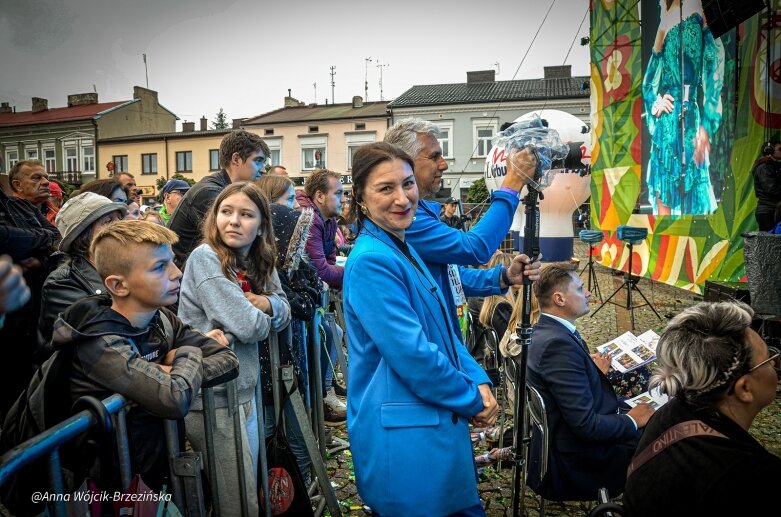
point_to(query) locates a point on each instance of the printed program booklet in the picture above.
(628, 351)
(654, 398)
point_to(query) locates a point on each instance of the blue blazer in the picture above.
(591, 443)
(413, 386)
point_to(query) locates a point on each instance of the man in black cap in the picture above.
(171, 193)
(449, 216)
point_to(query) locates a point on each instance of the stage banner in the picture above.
(677, 127)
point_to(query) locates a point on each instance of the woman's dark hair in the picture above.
(104, 187)
(365, 160)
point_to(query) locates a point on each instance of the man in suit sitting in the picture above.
(592, 436)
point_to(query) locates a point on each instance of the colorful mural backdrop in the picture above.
(696, 203)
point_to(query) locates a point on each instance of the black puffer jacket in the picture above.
(187, 219)
(74, 279)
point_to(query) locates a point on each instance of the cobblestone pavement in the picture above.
(495, 486)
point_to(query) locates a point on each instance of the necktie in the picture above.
(581, 340)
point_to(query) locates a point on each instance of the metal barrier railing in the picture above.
(185, 467)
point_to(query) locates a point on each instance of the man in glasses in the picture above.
(243, 157)
(696, 456)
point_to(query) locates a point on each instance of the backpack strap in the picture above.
(674, 434)
(168, 329)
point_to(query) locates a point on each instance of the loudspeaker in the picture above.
(723, 15)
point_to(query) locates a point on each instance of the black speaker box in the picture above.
(723, 15)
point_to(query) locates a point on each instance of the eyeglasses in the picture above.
(775, 357)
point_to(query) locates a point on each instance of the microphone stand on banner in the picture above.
(523, 331)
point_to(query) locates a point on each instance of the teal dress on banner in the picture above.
(703, 73)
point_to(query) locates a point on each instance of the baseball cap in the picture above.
(55, 190)
(451, 200)
(79, 212)
(172, 185)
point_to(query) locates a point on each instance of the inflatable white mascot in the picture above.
(570, 187)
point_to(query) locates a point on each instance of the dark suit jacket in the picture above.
(591, 444)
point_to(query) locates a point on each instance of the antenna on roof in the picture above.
(496, 64)
(94, 88)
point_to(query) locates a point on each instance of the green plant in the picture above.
(478, 192)
(220, 121)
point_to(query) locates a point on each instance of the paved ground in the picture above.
(611, 321)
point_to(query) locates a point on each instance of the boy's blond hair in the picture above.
(115, 247)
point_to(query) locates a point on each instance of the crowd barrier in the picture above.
(185, 467)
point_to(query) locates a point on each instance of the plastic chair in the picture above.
(537, 418)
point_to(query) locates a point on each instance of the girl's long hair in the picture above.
(262, 255)
(490, 303)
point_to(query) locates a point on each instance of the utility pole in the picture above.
(381, 66)
(333, 73)
(146, 72)
(366, 79)
(315, 87)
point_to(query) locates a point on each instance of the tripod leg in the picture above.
(647, 302)
(608, 300)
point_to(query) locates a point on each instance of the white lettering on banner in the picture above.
(459, 297)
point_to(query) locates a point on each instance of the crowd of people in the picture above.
(155, 305)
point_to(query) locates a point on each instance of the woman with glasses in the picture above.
(696, 456)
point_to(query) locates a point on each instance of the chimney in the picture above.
(357, 101)
(188, 127)
(139, 92)
(81, 99)
(204, 124)
(558, 72)
(40, 104)
(292, 102)
(481, 76)
(5, 107)
(237, 123)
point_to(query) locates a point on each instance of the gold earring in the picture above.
(364, 210)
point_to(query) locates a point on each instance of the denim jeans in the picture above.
(328, 357)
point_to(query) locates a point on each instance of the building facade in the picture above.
(65, 139)
(193, 154)
(304, 137)
(470, 114)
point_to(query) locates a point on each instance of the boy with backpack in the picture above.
(126, 342)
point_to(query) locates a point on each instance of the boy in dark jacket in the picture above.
(127, 343)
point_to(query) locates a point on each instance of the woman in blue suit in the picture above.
(413, 386)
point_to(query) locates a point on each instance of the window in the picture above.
(268, 132)
(31, 154)
(275, 148)
(120, 164)
(149, 163)
(354, 142)
(88, 158)
(313, 152)
(360, 126)
(184, 161)
(214, 159)
(446, 138)
(483, 131)
(314, 129)
(313, 157)
(71, 159)
(11, 157)
(49, 160)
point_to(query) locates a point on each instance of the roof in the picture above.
(317, 112)
(82, 112)
(505, 91)
(168, 136)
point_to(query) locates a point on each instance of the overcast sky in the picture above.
(243, 55)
